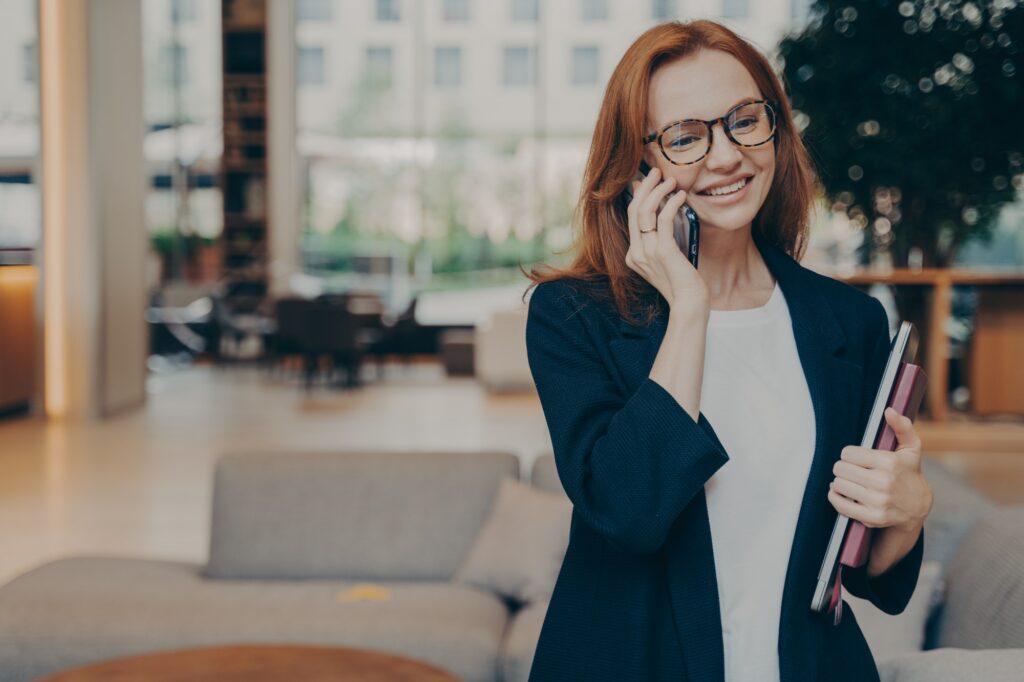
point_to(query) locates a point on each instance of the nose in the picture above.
(723, 155)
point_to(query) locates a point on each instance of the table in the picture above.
(258, 663)
(997, 360)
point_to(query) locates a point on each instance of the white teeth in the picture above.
(735, 187)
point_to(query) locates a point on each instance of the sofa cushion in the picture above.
(350, 515)
(76, 611)
(519, 551)
(954, 665)
(520, 643)
(500, 351)
(890, 636)
(544, 475)
(984, 606)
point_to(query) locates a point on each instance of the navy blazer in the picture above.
(636, 597)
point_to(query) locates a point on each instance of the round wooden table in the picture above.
(259, 663)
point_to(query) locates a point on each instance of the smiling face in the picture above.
(706, 85)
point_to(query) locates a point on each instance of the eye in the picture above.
(683, 141)
(744, 123)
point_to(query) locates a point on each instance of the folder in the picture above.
(908, 393)
(902, 387)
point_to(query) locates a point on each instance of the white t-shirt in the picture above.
(755, 395)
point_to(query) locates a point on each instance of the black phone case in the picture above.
(688, 243)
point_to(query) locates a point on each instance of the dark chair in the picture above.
(290, 315)
(403, 338)
(332, 331)
(334, 327)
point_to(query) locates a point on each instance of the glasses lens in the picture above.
(752, 124)
(685, 142)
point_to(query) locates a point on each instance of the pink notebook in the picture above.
(911, 383)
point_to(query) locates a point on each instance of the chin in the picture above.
(727, 222)
(728, 218)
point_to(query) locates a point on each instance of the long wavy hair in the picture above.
(600, 227)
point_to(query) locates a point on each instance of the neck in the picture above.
(730, 262)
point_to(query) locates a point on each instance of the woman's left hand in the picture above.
(883, 489)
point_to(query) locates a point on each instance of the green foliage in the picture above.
(170, 243)
(914, 114)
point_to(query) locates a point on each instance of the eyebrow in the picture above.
(745, 100)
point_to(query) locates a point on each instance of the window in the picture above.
(380, 66)
(174, 64)
(525, 10)
(388, 10)
(313, 10)
(447, 67)
(595, 10)
(455, 10)
(735, 9)
(311, 66)
(585, 65)
(183, 10)
(518, 66)
(662, 10)
(30, 63)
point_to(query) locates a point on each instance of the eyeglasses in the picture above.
(750, 124)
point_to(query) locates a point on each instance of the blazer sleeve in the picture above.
(629, 464)
(891, 590)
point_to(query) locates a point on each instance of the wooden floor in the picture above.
(987, 452)
(139, 484)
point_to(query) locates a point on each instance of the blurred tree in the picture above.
(914, 114)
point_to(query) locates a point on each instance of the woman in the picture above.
(694, 549)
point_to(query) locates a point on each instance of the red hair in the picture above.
(601, 230)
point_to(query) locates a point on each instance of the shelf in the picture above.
(243, 220)
(246, 109)
(255, 254)
(249, 79)
(243, 168)
(242, 25)
(250, 138)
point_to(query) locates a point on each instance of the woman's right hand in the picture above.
(654, 255)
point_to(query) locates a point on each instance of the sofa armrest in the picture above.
(954, 665)
(985, 585)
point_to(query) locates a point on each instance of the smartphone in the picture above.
(689, 243)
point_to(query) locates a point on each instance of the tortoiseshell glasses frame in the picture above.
(729, 122)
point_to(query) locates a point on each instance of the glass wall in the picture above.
(20, 202)
(443, 141)
(182, 90)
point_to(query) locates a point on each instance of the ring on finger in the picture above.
(652, 228)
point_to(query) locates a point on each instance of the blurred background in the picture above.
(287, 226)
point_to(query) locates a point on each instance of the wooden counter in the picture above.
(17, 335)
(996, 366)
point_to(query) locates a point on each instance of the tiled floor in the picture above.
(140, 484)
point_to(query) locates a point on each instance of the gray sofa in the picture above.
(291, 533)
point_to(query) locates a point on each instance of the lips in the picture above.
(724, 189)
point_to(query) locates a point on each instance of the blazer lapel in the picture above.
(831, 381)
